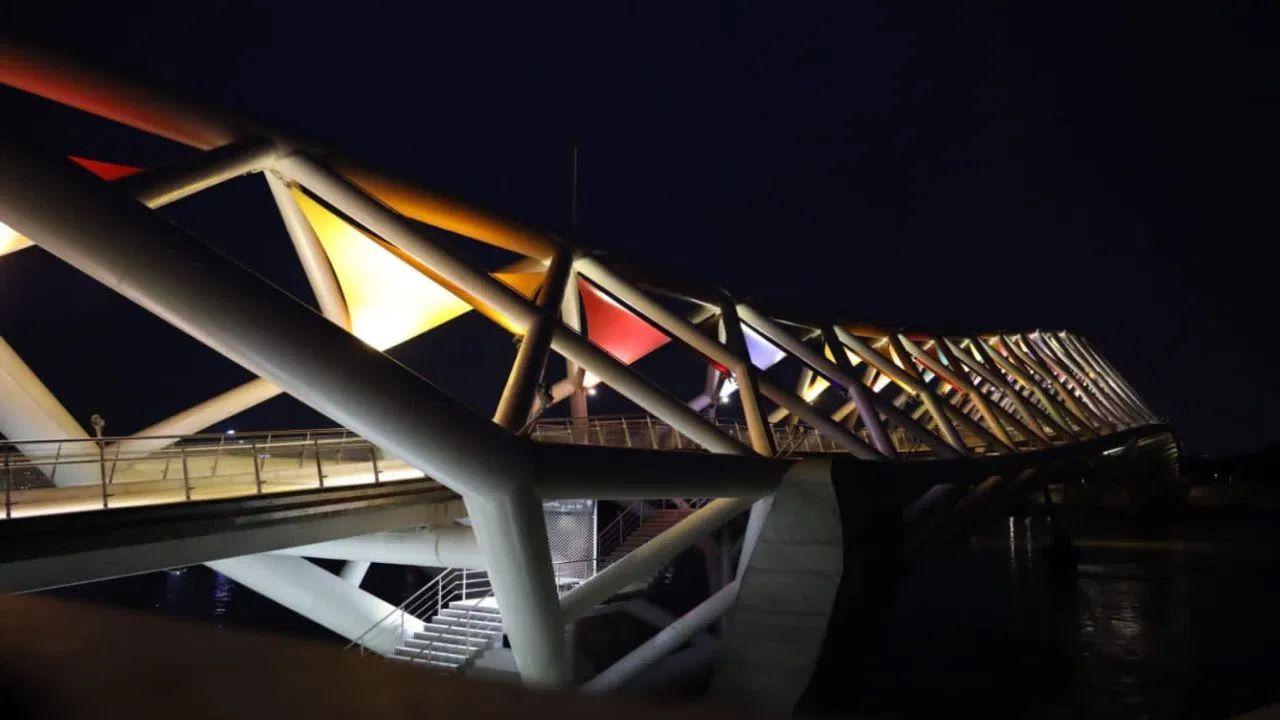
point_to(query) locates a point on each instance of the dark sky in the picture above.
(1101, 167)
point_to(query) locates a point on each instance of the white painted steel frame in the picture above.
(133, 253)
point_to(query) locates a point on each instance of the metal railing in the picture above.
(50, 476)
(643, 431)
(455, 584)
(451, 585)
(628, 520)
(72, 475)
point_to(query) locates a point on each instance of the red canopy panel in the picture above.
(615, 329)
(105, 170)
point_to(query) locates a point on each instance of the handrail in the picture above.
(450, 585)
(468, 625)
(194, 467)
(165, 469)
(358, 640)
(644, 431)
(620, 527)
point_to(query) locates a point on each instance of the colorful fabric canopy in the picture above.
(764, 354)
(616, 329)
(390, 297)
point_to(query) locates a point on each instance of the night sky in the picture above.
(1098, 167)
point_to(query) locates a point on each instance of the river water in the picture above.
(1168, 620)
(1162, 620)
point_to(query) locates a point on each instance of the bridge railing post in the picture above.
(57, 455)
(102, 471)
(257, 473)
(373, 459)
(186, 476)
(8, 488)
(319, 467)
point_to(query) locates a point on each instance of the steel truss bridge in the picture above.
(819, 429)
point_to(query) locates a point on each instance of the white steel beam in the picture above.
(319, 596)
(311, 255)
(1081, 415)
(395, 229)
(1071, 373)
(517, 398)
(651, 557)
(1031, 421)
(28, 411)
(664, 642)
(445, 547)
(247, 319)
(993, 357)
(859, 393)
(908, 381)
(961, 384)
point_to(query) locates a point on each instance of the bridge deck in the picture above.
(57, 549)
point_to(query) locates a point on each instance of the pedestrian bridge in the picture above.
(124, 472)
(816, 452)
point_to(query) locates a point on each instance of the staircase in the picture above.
(461, 616)
(455, 636)
(633, 532)
(461, 622)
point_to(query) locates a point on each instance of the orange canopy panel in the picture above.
(615, 329)
(390, 298)
(451, 214)
(11, 241)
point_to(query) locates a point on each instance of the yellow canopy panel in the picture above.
(390, 297)
(10, 240)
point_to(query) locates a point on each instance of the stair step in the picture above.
(409, 652)
(485, 615)
(462, 629)
(433, 664)
(472, 624)
(442, 646)
(478, 638)
(479, 604)
(445, 634)
(455, 632)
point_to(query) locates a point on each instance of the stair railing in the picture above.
(612, 535)
(630, 518)
(426, 596)
(465, 585)
(451, 584)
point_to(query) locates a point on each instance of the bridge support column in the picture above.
(785, 594)
(872, 535)
(512, 533)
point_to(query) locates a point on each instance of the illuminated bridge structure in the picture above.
(836, 440)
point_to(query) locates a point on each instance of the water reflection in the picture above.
(1164, 622)
(222, 589)
(1156, 622)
